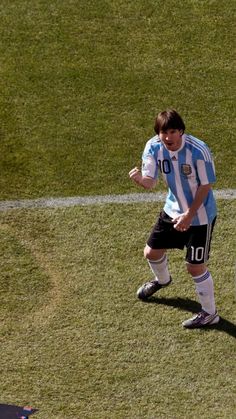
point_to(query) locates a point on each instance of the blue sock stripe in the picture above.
(198, 279)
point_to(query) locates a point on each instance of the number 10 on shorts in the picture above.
(197, 254)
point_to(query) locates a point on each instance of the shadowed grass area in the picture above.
(83, 345)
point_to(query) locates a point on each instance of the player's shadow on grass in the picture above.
(185, 304)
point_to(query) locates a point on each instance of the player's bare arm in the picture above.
(183, 221)
(145, 181)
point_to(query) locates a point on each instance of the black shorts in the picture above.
(197, 239)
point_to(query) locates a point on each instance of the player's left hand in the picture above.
(182, 222)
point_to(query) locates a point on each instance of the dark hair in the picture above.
(169, 119)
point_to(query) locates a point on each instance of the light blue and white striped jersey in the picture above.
(183, 171)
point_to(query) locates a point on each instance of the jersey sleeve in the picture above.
(149, 161)
(206, 167)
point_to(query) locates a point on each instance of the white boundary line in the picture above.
(228, 194)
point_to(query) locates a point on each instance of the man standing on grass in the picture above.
(189, 213)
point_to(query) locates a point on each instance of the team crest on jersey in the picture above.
(186, 169)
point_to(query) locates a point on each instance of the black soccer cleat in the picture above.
(149, 288)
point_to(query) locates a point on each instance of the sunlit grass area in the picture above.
(81, 82)
(75, 340)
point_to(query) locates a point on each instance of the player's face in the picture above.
(172, 138)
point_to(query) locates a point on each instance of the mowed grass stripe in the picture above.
(228, 194)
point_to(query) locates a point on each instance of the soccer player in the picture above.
(189, 214)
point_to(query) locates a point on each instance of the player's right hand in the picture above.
(135, 175)
(133, 172)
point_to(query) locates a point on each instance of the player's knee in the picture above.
(153, 254)
(196, 269)
(147, 252)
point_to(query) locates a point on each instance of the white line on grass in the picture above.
(229, 194)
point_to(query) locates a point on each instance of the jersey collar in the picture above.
(174, 153)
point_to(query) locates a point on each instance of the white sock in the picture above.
(160, 269)
(205, 291)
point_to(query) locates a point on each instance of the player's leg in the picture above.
(204, 286)
(157, 259)
(197, 255)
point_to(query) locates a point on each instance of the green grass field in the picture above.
(77, 343)
(81, 82)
